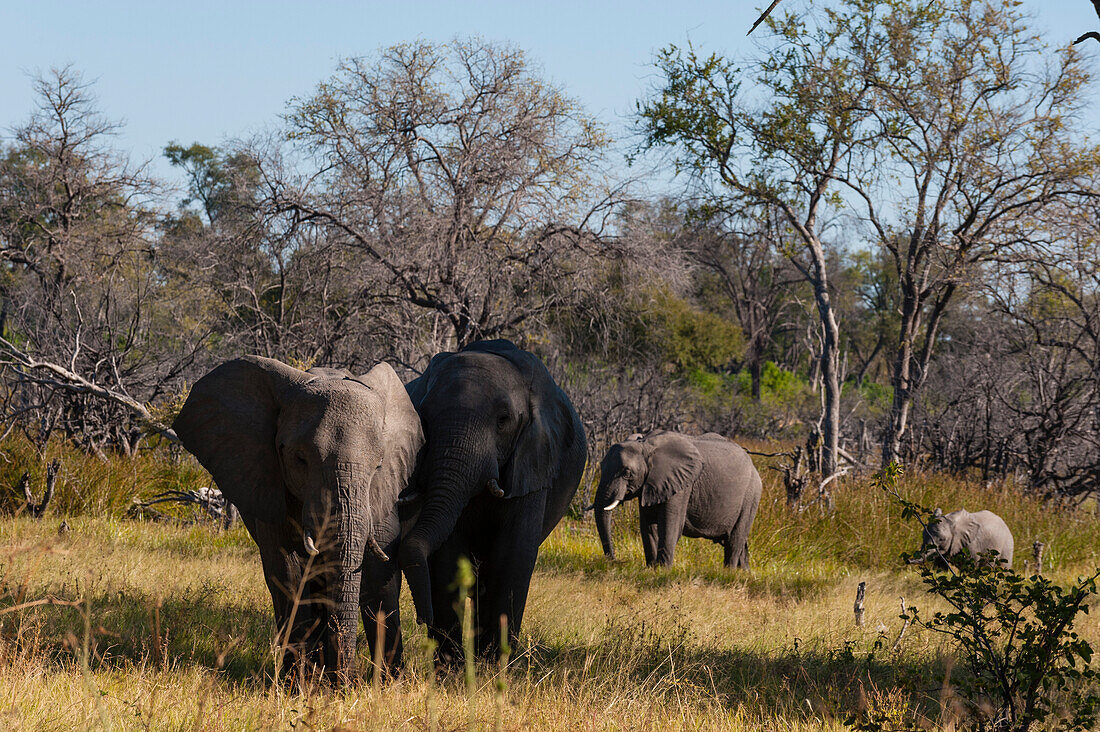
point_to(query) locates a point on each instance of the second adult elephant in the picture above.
(503, 458)
(704, 487)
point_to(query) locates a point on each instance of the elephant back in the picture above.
(728, 465)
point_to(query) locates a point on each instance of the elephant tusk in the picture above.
(495, 489)
(407, 499)
(376, 550)
(589, 508)
(611, 505)
(311, 548)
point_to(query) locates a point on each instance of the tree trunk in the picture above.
(830, 366)
(898, 418)
(755, 369)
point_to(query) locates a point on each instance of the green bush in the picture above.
(1020, 662)
(690, 338)
(97, 485)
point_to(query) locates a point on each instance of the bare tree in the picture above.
(785, 156)
(741, 252)
(471, 186)
(81, 295)
(967, 140)
(1051, 292)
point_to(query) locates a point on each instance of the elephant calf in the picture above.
(704, 487)
(949, 534)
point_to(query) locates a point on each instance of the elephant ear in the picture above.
(417, 389)
(967, 531)
(674, 464)
(229, 423)
(401, 430)
(552, 431)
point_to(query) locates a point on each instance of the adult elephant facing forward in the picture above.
(504, 455)
(702, 487)
(315, 461)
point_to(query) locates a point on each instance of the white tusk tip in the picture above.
(311, 548)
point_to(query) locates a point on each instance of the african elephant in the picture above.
(504, 455)
(314, 461)
(948, 534)
(702, 487)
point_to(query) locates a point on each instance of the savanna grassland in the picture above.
(120, 623)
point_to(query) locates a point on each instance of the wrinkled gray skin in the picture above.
(504, 455)
(949, 534)
(315, 462)
(705, 487)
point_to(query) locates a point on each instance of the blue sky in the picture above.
(208, 71)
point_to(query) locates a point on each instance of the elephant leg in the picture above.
(670, 525)
(647, 520)
(446, 630)
(506, 572)
(380, 592)
(297, 626)
(738, 541)
(736, 552)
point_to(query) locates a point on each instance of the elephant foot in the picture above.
(448, 657)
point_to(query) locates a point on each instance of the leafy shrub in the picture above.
(1020, 662)
(690, 338)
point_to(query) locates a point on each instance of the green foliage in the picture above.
(218, 180)
(1021, 661)
(690, 338)
(684, 112)
(876, 397)
(777, 384)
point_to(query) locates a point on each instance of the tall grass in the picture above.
(124, 624)
(90, 484)
(864, 531)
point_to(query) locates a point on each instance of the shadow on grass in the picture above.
(786, 584)
(663, 662)
(794, 683)
(125, 629)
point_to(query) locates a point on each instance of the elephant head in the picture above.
(495, 422)
(324, 452)
(651, 468)
(940, 539)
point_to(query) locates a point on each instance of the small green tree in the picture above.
(1020, 662)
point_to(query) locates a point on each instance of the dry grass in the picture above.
(155, 626)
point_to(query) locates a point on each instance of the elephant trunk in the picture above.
(607, 498)
(339, 543)
(926, 554)
(455, 473)
(344, 623)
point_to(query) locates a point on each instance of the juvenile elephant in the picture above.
(704, 487)
(504, 455)
(949, 534)
(314, 461)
